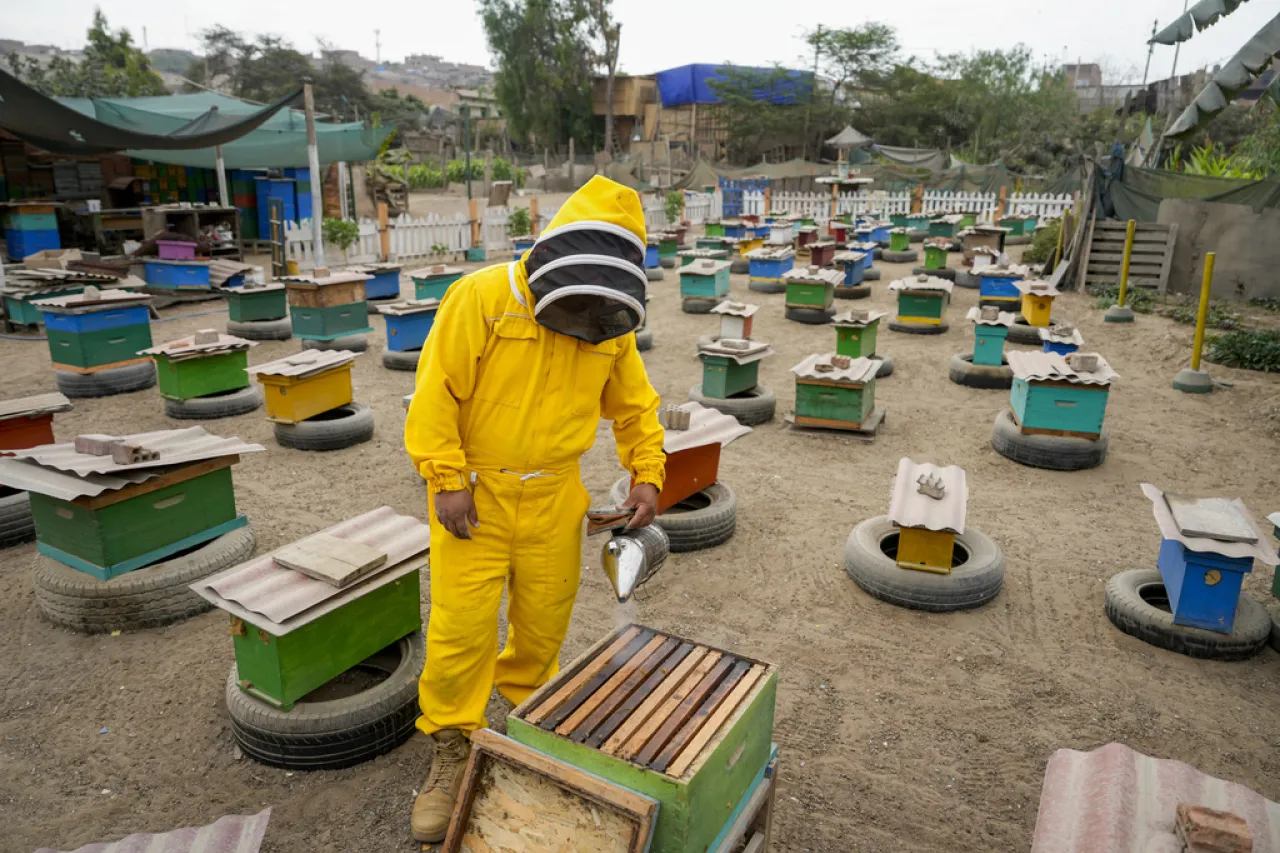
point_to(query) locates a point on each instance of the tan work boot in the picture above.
(434, 804)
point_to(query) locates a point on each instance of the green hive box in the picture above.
(200, 377)
(851, 404)
(935, 258)
(280, 670)
(921, 305)
(106, 539)
(723, 377)
(254, 304)
(695, 805)
(857, 342)
(802, 294)
(98, 347)
(333, 321)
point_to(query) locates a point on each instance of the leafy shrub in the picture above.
(1043, 244)
(519, 223)
(458, 171)
(1267, 303)
(1252, 349)
(342, 233)
(1219, 317)
(502, 169)
(674, 205)
(1140, 300)
(421, 177)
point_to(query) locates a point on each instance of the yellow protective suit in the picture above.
(509, 406)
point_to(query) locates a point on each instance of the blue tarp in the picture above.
(692, 84)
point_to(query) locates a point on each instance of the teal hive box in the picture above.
(989, 335)
(704, 279)
(727, 371)
(700, 769)
(433, 282)
(1049, 396)
(256, 302)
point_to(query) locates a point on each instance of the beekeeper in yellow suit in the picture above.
(523, 361)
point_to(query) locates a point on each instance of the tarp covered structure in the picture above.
(695, 84)
(180, 129)
(1136, 193)
(849, 139)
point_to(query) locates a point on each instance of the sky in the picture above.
(658, 34)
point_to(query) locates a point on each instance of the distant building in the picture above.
(1085, 80)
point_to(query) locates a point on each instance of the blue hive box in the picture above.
(524, 244)
(385, 283)
(995, 284)
(769, 264)
(20, 244)
(177, 275)
(409, 323)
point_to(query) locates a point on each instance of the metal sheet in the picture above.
(342, 277)
(1115, 800)
(937, 242)
(409, 306)
(30, 477)
(1055, 334)
(859, 371)
(230, 834)
(304, 363)
(39, 404)
(949, 218)
(1036, 287)
(736, 309)
(280, 600)
(188, 347)
(382, 266)
(1003, 318)
(846, 319)
(985, 229)
(705, 266)
(849, 257)
(814, 274)
(756, 351)
(1274, 518)
(763, 254)
(921, 282)
(706, 426)
(1258, 550)
(435, 271)
(250, 287)
(220, 271)
(863, 246)
(111, 296)
(175, 446)
(1046, 366)
(1003, 270)
(909, 508)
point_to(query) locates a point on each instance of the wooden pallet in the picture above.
(1149, 262)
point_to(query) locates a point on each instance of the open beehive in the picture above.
(683, 722)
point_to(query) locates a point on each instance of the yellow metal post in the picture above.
(1124, 262)
(1202, 315)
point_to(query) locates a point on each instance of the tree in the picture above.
(610, 33)
(850, 58)
(112, 68)
(766, 109)
(544, 58)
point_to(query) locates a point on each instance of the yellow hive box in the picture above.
(1036, 309)
(295, 398)
(746, 245)
(926, 550)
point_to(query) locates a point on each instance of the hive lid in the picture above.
(255, 287)
(1170, 529)
(984, 229)
(856, 318)
(849, 256)
(91, 299)
(25, 475)
(202, 343)
(1052, 366)
(735, 309)
(409, 306)
(713, 254)
(304, 363)
(859, 371)
(1063, 333)
(1036, 287)
(937, 242)
(1006, 271)
(740, 350)
(381, 266)
(279, 600)
(862, 245)
(307, 282)
(706, 426)
(435, 271)
(901, 229)
(814, 274)
(929, 496)
(949, 218)
(171, 447)
(704, 266)
(776, 254)
(1001, 318)
(921, 282)
(30, 407)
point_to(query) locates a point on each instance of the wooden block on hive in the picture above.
(516, 798)
(335, 561)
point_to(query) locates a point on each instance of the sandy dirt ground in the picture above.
(898, 730)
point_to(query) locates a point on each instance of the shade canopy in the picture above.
(849, 139)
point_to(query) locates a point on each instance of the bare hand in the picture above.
(644, 497)
(456, 510)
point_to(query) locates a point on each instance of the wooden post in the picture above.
(546, 169)
(835, 201)
(313, 157)
(535, 221)
(1124, 262)
(475, 223)
(917, 199)
(344, 184)
(683, 199)
(384, 231)
(1202, 315)
(488, 172)
(571, 185)
(223, 198)
(1000, 206)
(768, 204)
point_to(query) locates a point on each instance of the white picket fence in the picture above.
(700, 207)
(818, 205)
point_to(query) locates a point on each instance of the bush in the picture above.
(458, 171)
(503, 170)
(674, 205)
(518, 222)
(1140, 300)
(1267, 303)
(1255, 349)
(1219, 317)
(342, 233)
(1043, 244)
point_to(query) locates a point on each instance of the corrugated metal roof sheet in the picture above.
(739, 350)
(1116, 800)
(937, 242)
(222, 270)
(982, 228)
(287, 599)
(849, 256)
(409, 306)
(705, 266)
(908, 507)
(340, 277)
(175, 446)
(863, 245)
(735, 309)
(1002, 318)
(304, 363)
(27, 476)
(40, 404)
(252, 287)
(857, 318)
(230, 834)
(1061, 334)
(859, 371)
(900, 230)
(706, 426)
(814, 274)
(104, 299)
(1045, 366)
(187, 347)
(711, 254)
(1259, 550)
(781, 253)
(1005, 270)
(1274, 518)
(382, 266)
(1036, 287)
(949, 218)
(921, 282)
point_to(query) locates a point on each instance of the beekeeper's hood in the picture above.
(586, 271)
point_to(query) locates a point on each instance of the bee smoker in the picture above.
(632, 557)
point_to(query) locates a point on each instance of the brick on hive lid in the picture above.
(96, 444)
(989, 312)
(1205, 830)
(91, 293)
(931, 486)
(205, 336)
(860, 315)
(840, 362)
(735, 343)
(128, 453)
(1064, 330)
(674, 418)
(813, 269)
(1083, 362)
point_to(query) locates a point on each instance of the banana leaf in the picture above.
(1199, 17)
(1250, 61)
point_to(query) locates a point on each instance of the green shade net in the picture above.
(1138, 192)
